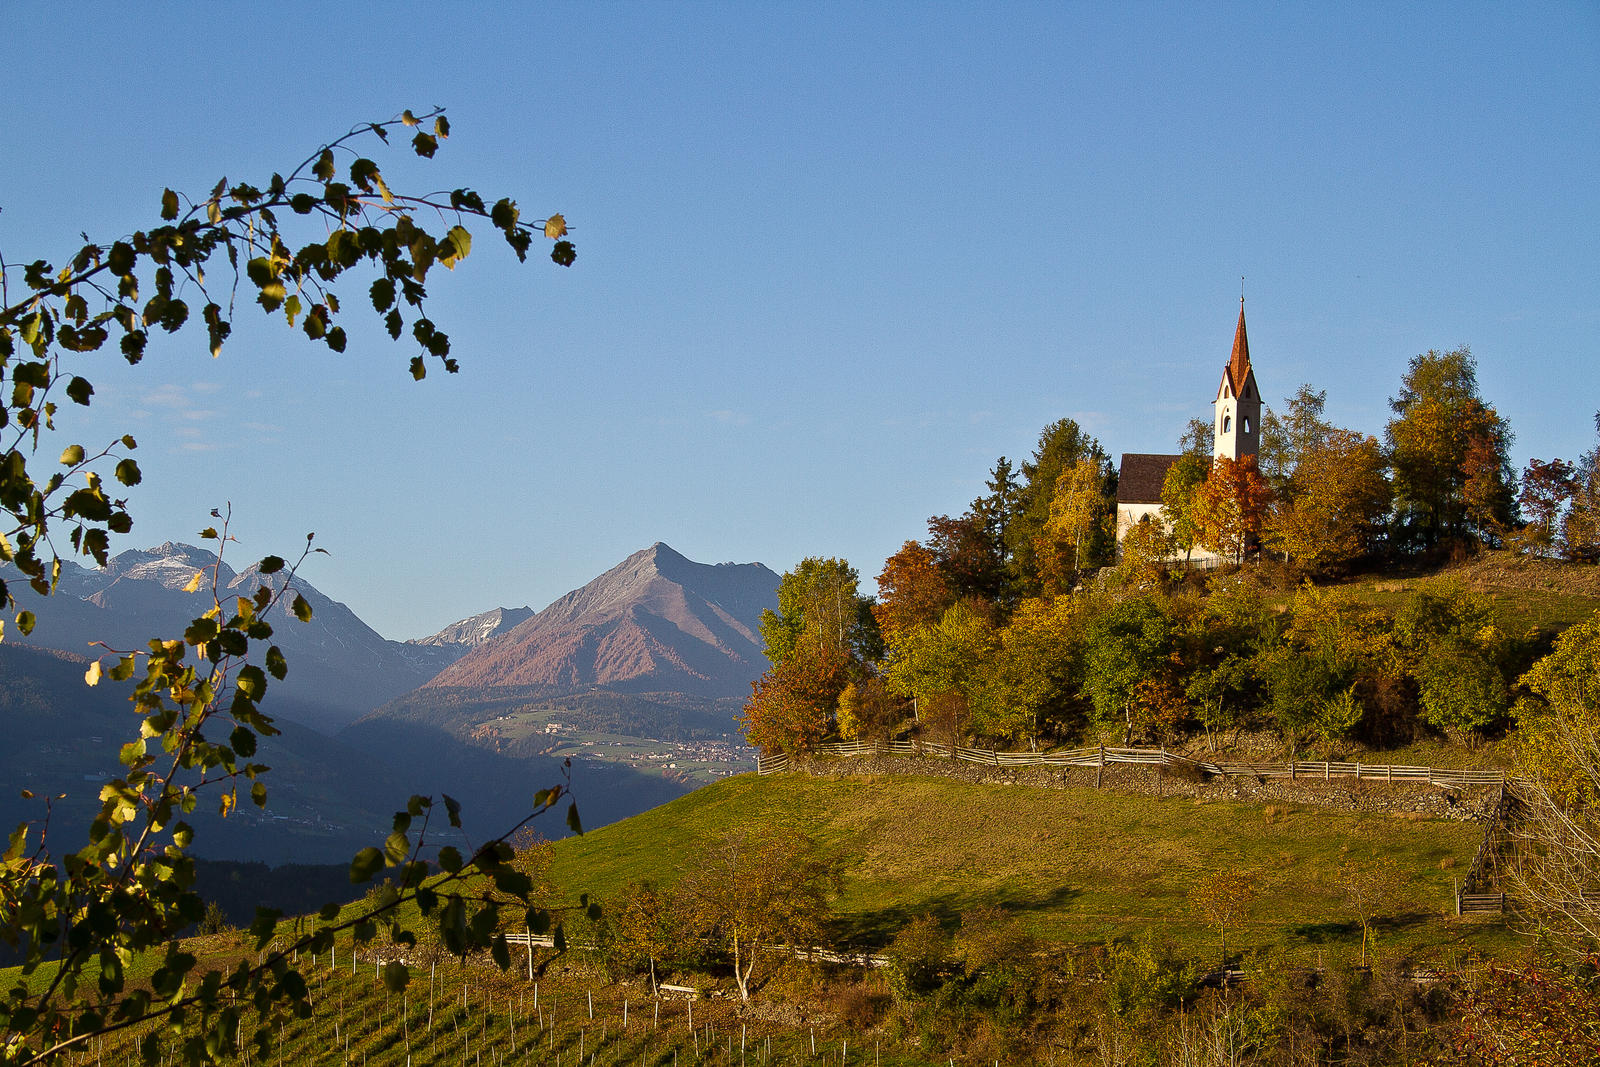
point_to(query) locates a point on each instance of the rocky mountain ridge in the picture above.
(656, 622)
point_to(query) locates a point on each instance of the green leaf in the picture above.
(201, 631)
(252, 682)
(271, 564)
(459, 245)
(396, 976)
(243, 740)
(500, 951)
(72, 455)
(265, 925)
(277, 666)
(396, 847)
(169, 205)
(323, 170)
(452, 807)
(572, 819)
(79, 391)
(120, 259)
(450, 859)
(18, 842)
(425, 145)
(382, 294)
(302, 609)
(365, 864)
(128, 473)
(25, 621)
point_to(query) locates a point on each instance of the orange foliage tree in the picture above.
(1340, 501)
(912, 590)
(1230, 507)
(791, 707)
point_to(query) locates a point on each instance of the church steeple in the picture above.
(1239, 365)
(1237, 428)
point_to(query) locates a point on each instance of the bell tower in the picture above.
(1236, 423)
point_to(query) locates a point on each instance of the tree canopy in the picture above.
(290, 244)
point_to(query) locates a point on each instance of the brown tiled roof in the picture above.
(1141, 475)
(1239, 365)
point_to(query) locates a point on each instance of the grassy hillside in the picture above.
(1525, 593)
(1076, 865)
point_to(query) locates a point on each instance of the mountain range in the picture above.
(658, 646)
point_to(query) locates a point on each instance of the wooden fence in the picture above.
(1100, 756)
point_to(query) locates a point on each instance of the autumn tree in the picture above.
(793, 706)
(870, 709)
(1331, 645)
(1288, 438)
(1372, 889)
(1337, 503)
(818, 640)
(1443, 435)
(757, 889)
(1488, 491)
(1547, 485)
(80, 922)
(912, 590)
(1231, 507)
(1179, 491)
(1221, 642)
(969, 556)
(1580, 530)
(1061, 445)
(1556, 872)
(1146, 547)
(950, 657)
(1459, 658)
(1124, 644)
(1030, 685)
(820, 609)
(1077, 518)
(1223, 898)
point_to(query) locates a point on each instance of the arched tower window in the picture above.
(1247, 424)
(1227, 422)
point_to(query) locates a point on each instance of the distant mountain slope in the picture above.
(470, 633)
(339, 667)
(656, 622)
(325, 798)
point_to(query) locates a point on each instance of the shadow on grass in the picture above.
(1350, 930)
(875, 929)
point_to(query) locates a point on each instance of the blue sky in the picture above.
(834, 259)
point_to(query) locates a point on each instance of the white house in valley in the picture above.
(1235, 433)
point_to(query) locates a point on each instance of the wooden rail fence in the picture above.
(1101, 756)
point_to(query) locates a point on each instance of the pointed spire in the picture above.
(1239, 365)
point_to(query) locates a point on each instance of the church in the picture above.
(1235, 430)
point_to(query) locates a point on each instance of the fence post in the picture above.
(1293, 771)
(1101, 768)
